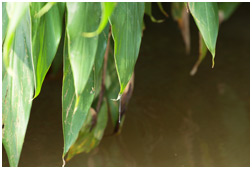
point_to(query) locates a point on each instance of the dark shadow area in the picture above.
(173, 119)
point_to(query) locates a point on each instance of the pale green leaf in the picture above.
(126, 22)
(82, 17)
(74, 109)
(46, 34)
(205, 15)
(5, 20)
(17, 91)
(15, 12)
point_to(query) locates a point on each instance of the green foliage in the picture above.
(17, 90)
(205, 15)
(126, 25)
(46, 34)
(227, 8)
(100, 46)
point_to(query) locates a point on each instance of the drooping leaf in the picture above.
(180, 14)
(82, 17)
(88, 140)
(5, 20)
(46, 34)
(117, 109)
(148, 11)
(74, 109)
(112, 89)
(99, 59)
(226, 9)
(202, 54)
(17, 91)
(126, 22)
(205, 15)
(107, 10)
(15, 12)
(162, 9)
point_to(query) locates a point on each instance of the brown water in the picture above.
(173, 119)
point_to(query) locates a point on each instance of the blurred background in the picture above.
(173, 119)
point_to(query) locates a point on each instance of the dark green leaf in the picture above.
(205, 15)
(148, 11)
(17, 91)
(82, 17)
(177, 9)
(75, 109)
(226, 9)
(112, 89)
(126, 22)
(46, 34)
(99, 58)
(88, 140)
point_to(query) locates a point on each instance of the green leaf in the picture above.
(205, 15)
(74, 109)
(88, 140)
(99, 59)
(226, 9)
(126, 22)
(17, 91)
(15, 11)
(202, 54)
(177, 10)
(107, 10)
(162, 9)
(82, 17)
(46, 34)
(5, 20)
(148, 11)
(112, 89)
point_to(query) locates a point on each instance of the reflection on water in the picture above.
(173, 119)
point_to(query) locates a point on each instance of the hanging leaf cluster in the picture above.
(100, 47)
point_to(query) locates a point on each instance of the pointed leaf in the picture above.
(88, 140)
(17, 91)
(82, 17)
(46, 34)
(126, 22)
(205, 15)
(75, 109)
